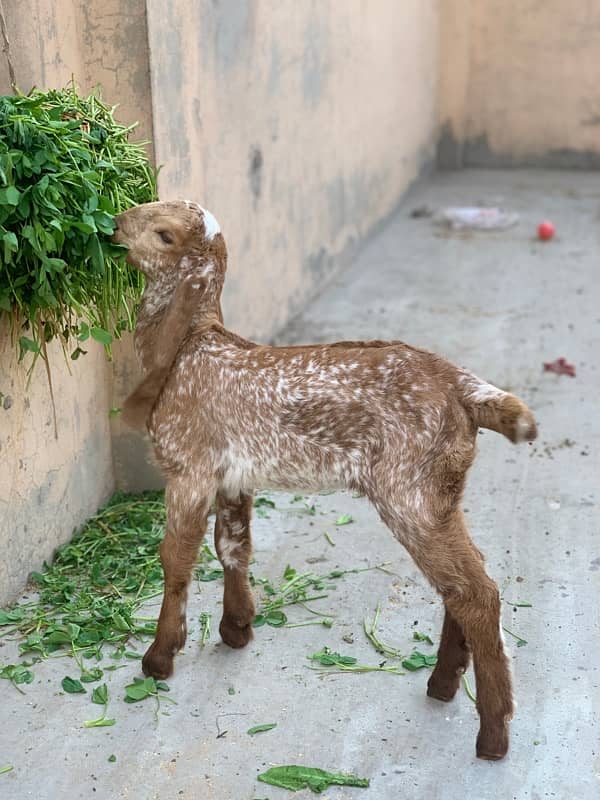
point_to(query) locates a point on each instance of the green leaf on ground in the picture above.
(141, 688)
(267, 726)
(344, 519)
(328, 658)
(263, 501)
(101, 722)
(72, 686)
(10, 616)
(17, 674)
(100, 695)
(520, 641)
(261, 504)
(7, 768)
(422, 637)
(418, 660)
(91, 675)
(274, 618)
(296, 777)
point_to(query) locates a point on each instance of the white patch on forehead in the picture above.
(211, 226)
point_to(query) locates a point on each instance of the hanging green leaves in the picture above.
(66, 169)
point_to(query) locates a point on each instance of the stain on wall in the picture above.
(233, 33)
(255, 171)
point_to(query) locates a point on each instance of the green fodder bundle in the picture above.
(66, 169)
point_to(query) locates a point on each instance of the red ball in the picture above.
(546, 230)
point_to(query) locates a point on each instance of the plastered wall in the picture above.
(299, 124)
(49, 486)
(519, 83)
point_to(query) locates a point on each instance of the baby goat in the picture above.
(227, 416)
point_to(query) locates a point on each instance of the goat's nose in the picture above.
(116, 230)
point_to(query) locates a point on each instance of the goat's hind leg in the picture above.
(452, 661)
(187, 508)
(450, 560)
(234, 547)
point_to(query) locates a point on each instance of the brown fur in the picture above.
(227, 415)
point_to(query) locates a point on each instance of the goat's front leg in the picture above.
(187, 510)
(234, 547)
(452, 661)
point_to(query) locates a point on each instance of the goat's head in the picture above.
(172, 240)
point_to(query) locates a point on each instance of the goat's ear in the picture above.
(178, 318)
(171, 333)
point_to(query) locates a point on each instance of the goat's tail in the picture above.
(497, 410)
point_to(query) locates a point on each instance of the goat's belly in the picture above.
(247, 474)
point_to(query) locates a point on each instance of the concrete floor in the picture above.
(500, 304)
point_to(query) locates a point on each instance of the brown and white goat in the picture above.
(227, 416)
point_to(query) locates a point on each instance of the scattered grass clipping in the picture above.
(266, 726)
(205, 619)
(417, 660)
(88, 600)
(333, 663)
(298, 589)
(371, 632)
(295, 777)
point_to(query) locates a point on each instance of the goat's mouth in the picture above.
(118, 236)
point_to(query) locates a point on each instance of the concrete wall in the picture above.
(518, 83)
(300, 124)
(48, 487)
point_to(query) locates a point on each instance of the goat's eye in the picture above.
(166, 237)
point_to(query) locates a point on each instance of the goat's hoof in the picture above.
(157, 664)
(492, 745)
(235, 636)
(442, 688)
